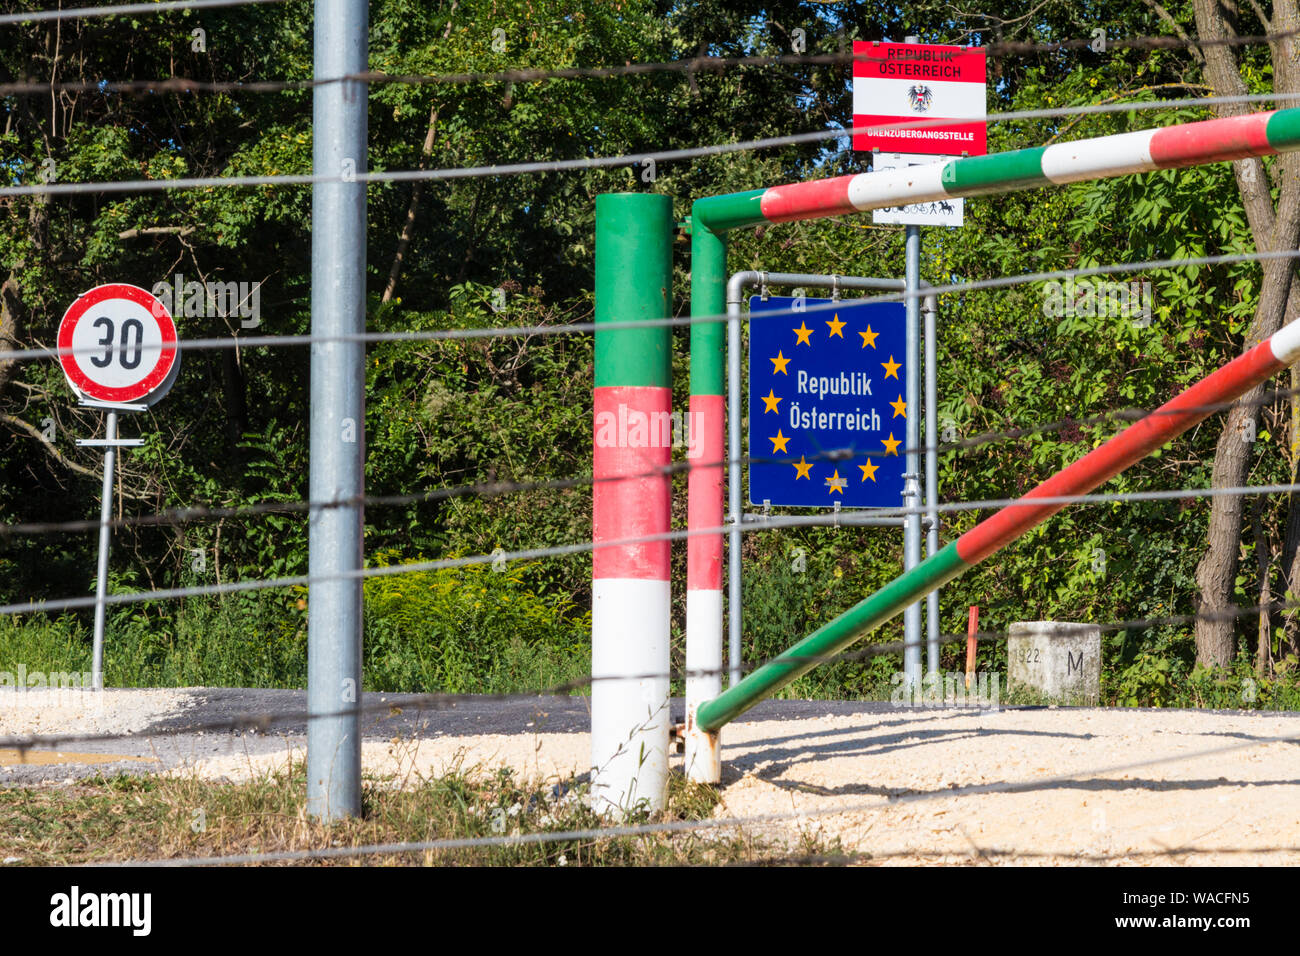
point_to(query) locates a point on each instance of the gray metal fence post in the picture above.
(931, 478)
(338, 308)
(912, 486)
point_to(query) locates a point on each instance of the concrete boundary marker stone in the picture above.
(1058, 659)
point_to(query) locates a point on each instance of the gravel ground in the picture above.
(1106, 786)
(903, 785)
(65, 710)
(892, 784)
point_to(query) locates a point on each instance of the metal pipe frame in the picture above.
(930, 311)
(912, 480)
(704, 750)
(736, 286)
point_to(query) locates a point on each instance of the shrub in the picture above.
(470, 630)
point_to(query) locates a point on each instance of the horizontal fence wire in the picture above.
(684, 321)
(122, 9)
(987, 853)
(266, 721)
(686, 67)
(732, 822)
(606, 162)
(585, 547)
(193, 513)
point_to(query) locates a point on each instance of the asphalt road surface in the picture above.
(220, 721)
(223, 720)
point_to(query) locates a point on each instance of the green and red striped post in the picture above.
(1170, 147)
(705, 483)
(1100, 465)
(632, 449)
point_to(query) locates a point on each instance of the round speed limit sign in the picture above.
(124, 345)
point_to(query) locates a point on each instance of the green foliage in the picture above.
(1147, 682)
(788, 594)
(470, 630)
(249, 640)
(38, 643)
(451, 426)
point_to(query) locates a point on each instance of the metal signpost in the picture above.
(118, 352)
(780, 473)
(895, 85)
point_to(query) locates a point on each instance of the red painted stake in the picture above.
(972, 628)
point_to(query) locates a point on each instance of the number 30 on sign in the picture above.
(123, 345)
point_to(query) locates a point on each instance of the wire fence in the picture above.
(265, 722)
(573, 328)
(687, 66)
(122, 9)
(193, 513)
(745, 823)
(608, 162)
(501, 557)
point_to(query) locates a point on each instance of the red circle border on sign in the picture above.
(128, 393)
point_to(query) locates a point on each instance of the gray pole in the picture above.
(734, 293)
(911, 486)
(911, 481)
(105, 537)
(931, 479)
(338, 308)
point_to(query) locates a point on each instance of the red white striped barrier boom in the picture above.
(1169, 147)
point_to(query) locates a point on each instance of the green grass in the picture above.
(477, 631)
(260, 640)
(132, 818)
(202, 643)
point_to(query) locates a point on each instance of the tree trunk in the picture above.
(1291, 540)
(408, 224)
(1271, 229)
(236, 402)
(1217, 571)
(10, 303)
(417, 187)
(1263, 563)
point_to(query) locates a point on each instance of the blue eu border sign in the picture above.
(828, 378)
